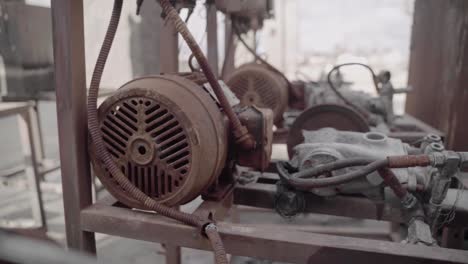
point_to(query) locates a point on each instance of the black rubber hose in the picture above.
(100, 149)
(240, 132)
(297, 179)
(340, 95)
(301, 183)
(340, 164)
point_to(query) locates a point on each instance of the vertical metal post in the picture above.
(27, 133)
(169, 63)
(212, 36)
(70, 81)
(453, 237)
(37, 136)
(173, 254)
(169, 48)
(229, 48)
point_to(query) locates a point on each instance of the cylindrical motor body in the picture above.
(256, 84)
(167, 135)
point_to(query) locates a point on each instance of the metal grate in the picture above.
(149, 144)
(254, 84)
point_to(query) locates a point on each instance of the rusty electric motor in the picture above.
(256, 84)
(168, 136)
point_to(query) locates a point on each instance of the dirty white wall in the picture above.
(305, 36)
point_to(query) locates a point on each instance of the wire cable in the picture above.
(257, 57)
(340, 95)
(103, 154)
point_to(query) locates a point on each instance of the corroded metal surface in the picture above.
(159, 131)
(329, 115)
(258, 240)
(408, 161)
(255, 84)
(259, 121)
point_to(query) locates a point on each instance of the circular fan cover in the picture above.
(255, 84)
(147, 130)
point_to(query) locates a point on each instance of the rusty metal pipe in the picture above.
(407, 161)
(103, 154)
(241, 134)
(392, 181)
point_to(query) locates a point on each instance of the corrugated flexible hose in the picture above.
(241, 134)
(104, 156)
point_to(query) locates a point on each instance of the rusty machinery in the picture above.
(256, 84)
(334, 103)
(329, 163)
(160, 141)
(160, 130)
(299, 105)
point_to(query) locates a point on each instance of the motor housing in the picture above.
(167, 135)
(256, 84)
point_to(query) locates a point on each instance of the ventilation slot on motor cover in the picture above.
(143, 118)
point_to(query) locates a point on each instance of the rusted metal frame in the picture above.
(212, 36)
(169, 48)
(453, 237)
(70, 81)
(27, 131)
(33, 175)
(35, 138)
(262, 195)
(257, 241)
(10, 108)
(229, 48)
(173, 254)
(38, 139)
(216, 210)
(359, 232)
(208, 209)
